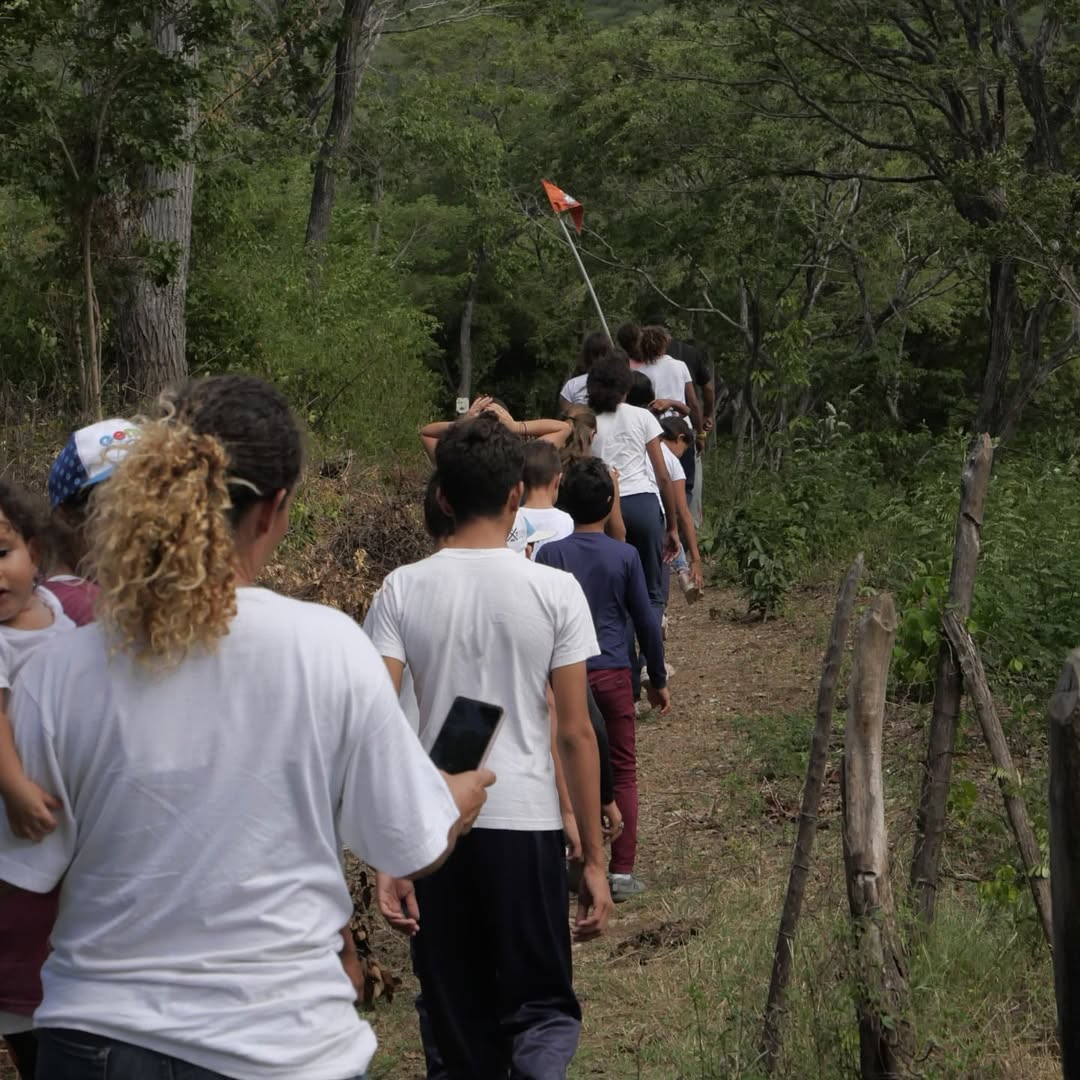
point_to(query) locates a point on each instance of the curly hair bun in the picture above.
(161, 545)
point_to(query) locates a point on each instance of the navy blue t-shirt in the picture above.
(610, 574)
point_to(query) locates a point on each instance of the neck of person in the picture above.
(541, 498)
(483, 532)
(592, 527)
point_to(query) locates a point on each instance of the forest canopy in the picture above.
(861, 206)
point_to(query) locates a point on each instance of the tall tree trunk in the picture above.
(1003, 297)
(465, 369)
(151, 317)
(90, 345)
(361, 24)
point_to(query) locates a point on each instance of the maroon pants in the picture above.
(613, 694)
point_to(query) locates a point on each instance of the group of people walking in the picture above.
(181, 772)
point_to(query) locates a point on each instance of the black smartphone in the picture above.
(466, 736)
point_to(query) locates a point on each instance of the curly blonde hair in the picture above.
(161, 527)
(161, 546)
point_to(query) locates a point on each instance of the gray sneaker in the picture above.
(625, 887)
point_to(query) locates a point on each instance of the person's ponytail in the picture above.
(161, 545)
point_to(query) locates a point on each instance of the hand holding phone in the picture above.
(469, 790)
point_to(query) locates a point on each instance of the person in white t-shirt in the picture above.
(491, 944)
(213, 745)
(628, 439)
(574, 391)
(538, 521)
(673, 384)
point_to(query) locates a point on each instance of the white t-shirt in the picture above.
(668, 377)
(539, 519)
(204, 812)
(674, 467)
(485, 623)
(17, 646)
(575, 390)
(620, 441)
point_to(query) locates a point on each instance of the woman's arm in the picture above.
(430, 433)
(555, 432)
(429, 436)
(667, 496)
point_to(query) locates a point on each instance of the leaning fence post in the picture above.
(1065, 858)
(948, 685)
(1008, 778)
(808, 814)
(885, 1037)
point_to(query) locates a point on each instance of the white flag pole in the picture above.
(585, 275)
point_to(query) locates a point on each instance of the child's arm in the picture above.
(616, 527)
(29, 807)
(686, 523)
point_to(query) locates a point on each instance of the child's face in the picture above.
(18, 570)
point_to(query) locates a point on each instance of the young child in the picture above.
(676, 440)
(28, 616)
(610, 574)
(492, 944)
(538, 521)
(88, 457)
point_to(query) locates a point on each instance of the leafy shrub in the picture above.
(342, 339)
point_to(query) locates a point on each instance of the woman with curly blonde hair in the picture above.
(213, 745)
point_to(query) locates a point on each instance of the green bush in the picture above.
(343, 339)
(896, 497)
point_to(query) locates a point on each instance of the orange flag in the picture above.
(562, 203)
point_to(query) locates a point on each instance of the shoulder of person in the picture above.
(306, 619)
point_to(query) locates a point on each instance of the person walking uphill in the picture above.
(212, 744)
(610, 574)
(491, 944)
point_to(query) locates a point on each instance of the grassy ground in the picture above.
(677, 987)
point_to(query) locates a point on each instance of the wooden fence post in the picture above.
(886, 1041)
(948, 685)
(808, 814)
(1065, 858)
(1008, 778)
